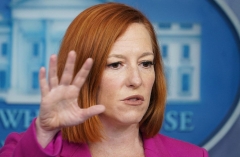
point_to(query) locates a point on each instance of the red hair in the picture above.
(92, 34)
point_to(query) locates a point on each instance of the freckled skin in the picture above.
(129, 71)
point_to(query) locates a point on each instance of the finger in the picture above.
(43, 82)
(68, 69)
(91, 111)
(83, 73)
(52, 73)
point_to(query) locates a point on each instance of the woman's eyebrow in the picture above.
(147, 54)
(123, 57)
(116, 55)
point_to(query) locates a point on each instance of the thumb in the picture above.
(92, 111)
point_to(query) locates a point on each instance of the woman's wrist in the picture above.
(44, 137)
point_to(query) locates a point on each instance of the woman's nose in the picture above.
(134, 78)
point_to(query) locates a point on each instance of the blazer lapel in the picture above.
(75, 150)
(154, 147)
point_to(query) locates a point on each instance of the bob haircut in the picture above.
(92, 34)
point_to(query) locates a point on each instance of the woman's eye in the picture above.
(147, 64)
(115, 65)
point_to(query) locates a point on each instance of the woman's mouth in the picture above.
(134, 100)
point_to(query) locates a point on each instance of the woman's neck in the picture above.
(119, 140)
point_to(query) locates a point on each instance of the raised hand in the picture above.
(59, 106)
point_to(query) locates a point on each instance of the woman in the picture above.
(115, 64)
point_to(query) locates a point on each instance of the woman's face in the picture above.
(128, 78)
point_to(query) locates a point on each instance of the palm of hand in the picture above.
(59, 106)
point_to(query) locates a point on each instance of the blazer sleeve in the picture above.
(205, 153)
(25, 144)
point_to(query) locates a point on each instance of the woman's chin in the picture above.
(121, 120)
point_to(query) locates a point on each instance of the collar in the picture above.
(153, 147)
